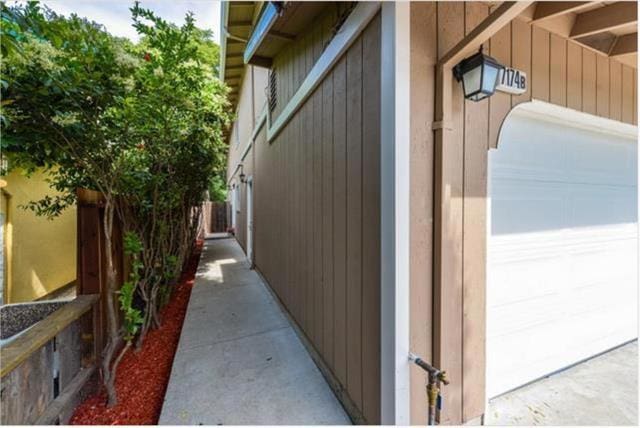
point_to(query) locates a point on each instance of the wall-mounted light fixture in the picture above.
(242, 175)
(479, 75)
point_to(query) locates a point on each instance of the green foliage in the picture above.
(132, 244)
(65, 80)
(217, 189)
(132, 317)
(141, 123)
(109, 113)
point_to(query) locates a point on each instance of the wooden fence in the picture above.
(214, 217)
(45, 369)
(91, 268)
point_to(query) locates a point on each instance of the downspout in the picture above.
(224, 17)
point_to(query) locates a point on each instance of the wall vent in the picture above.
(273, 90)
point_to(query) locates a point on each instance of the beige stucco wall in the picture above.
(40, 254)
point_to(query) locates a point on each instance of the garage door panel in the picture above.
(520, 206)
(518, 317)
(562, 249)
(516, 281)
(592, 205)
(545, 161)
(543, 353)
(562, 156)
(603, 263)
(586, 162)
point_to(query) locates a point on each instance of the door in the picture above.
(562, 259)
(234, 207)
(250, 219)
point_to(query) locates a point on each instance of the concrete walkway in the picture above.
(239, 361)
(600, 391)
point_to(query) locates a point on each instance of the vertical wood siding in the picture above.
(560, 72)
(293, 64)
(317, 207)
(563, 73)
(448, 338)
(423, 60)
(476, 127)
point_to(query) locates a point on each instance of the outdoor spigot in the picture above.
(435, 377)
(442, 377)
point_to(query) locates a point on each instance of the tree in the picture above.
(65, 83)
(178, 111)
(142, 124)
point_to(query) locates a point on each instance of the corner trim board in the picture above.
(394, 215)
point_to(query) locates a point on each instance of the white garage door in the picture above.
(562, 274)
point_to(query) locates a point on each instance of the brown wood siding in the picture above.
(448, 346)
(423, 60)
(317, 209)
(476, 142)
(560, 72)
(371, 223)
(563, 73)
(293, 64)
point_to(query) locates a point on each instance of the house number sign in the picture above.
(512, 80)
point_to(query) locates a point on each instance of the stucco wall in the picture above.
(40, 253)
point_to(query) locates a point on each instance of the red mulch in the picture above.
(143, 376)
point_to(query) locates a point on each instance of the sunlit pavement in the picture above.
(600, 391)
(239, 361)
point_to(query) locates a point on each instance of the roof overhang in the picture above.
(606, 27)
(237, 19)
(278, 24)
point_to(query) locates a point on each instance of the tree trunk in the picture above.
(109, 372)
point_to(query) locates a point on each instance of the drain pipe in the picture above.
(436, 376)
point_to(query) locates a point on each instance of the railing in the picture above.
(44, 370)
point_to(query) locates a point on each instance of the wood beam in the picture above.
(261, 61)
(236, 4)
(280, 35)
(606, 18)
(551, 9)
(494, 22)
(247, 23)
(625, 45)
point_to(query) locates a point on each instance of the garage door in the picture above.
(562, 271)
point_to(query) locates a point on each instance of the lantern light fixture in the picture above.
(242, 174)
(479, 75)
